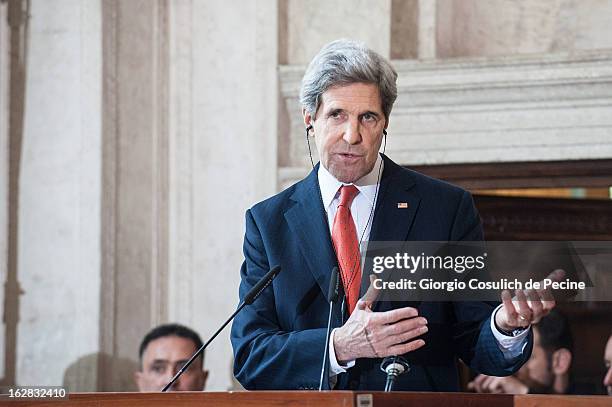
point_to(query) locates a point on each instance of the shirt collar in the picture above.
(366, 185)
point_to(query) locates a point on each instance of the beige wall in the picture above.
(152, 125)
(312, 24)
(508, 27)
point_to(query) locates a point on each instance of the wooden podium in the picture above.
(314, 399)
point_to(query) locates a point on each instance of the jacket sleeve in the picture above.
(474, 342)
(266, 356)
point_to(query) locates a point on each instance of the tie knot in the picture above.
(347, 194)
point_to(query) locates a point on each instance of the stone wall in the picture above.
(468, 28)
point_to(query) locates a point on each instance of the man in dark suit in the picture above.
(354, 195)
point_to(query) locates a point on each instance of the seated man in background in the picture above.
(548, 369)
(163, 352)
(607, 381)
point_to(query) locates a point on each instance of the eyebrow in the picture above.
(334, 110)
(340, 110)
(370, 112)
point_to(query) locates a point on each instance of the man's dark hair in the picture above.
(164, 330)
(555, 332)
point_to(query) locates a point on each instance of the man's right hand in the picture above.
(369, 334)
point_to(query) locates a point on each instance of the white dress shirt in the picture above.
(362, 209)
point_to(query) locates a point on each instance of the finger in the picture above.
(480, 379)
(475, 383)
(403, 326)
(406, 336)
(511, 312)
(389, 317)
(361, 306)
(489, 384)
(484, 386)
(547, 293)
(535, 303)
(497, 387)
(478, 383)
(557, 275)
(403, 348)
(523, 309)
(548, 301)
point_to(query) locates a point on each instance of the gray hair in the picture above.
(343, 62)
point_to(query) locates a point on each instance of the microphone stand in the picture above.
(393, 366)
(248, 300)
(333, 297)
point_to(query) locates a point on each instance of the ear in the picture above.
(138, 380)
(308, 119)
(204, 378)
(561, 361)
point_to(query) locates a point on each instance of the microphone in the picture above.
(248, 300)
(393, 366)
(332, 294)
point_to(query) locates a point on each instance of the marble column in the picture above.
(135, 183)
(189, 145)
(59, 197)
(223, 92)
(4, 165)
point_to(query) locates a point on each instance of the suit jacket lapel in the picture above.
(307, 220)
(396, 207)
(396, 204)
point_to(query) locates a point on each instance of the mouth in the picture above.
(349, 156)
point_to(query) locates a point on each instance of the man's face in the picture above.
(165, 356)
(607, 382)
(537, 372)
(348, 130)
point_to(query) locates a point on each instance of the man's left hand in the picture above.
(527, 307)
(491, 384)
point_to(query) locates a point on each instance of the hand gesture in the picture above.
(527, 306)
(369, 334)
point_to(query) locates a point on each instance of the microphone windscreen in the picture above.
(332, 293)
(261, 285)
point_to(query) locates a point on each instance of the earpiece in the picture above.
(308, 143)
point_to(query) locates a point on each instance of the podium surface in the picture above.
(314, 399)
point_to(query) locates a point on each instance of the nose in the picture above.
(352, 134)
(167, 378)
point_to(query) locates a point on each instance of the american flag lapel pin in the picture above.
(402, 205)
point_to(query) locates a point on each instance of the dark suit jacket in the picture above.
(279, 341)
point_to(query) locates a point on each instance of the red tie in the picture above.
(344, 236)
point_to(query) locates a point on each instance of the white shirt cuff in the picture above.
(511, 346)
(336, 368)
